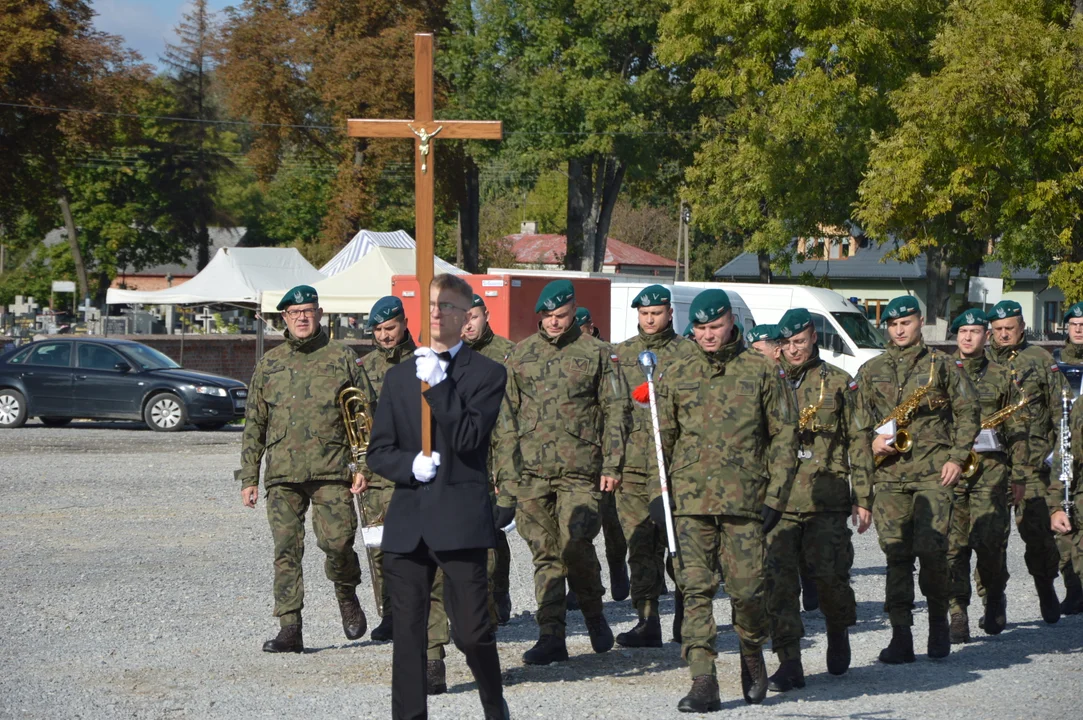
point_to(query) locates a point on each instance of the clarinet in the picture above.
(1066, 453)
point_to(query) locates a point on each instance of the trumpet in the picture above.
(807, 418)
(904, 413)
(973, 462)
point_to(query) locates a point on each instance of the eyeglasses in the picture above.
(445, 307)
(304, 312)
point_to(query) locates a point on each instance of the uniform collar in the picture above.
(1072, 353)
(1002, 353)
(309, 344)
(659, 339)
(728, 351)
(797, 372)
(482, 340)
(394, 355)
(570, 335)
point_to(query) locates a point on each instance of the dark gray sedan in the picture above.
(58, 380)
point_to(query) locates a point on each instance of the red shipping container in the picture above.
(510, 300)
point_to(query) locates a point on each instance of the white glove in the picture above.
(429, 367)
(425, 467)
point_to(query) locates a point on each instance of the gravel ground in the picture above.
(135, 585)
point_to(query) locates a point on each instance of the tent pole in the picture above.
(259, 326)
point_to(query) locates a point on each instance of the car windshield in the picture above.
(858, 327)
(148, 358)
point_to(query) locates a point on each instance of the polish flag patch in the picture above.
(615, 358)
(959, 364)
(852, 385)
(1055, 368)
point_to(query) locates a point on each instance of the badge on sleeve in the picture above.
(615, 358)
(1055, 368)
(852, 385)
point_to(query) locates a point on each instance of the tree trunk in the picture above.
(578, 191)
(594, 183)
(937, 292)
(470, 217)
(203, 244)
(73, 243)
(764, 261)
(611, 177)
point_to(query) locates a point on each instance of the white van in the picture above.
(624, 319)
(847, 338)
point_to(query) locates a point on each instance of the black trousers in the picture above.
(466, 597)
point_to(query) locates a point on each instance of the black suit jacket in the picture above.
(453, 511)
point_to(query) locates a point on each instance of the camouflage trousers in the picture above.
(616, 546)
(1042, 554)
(559, 519)
(979, 526)
(646, 544)
(335, 523)
(737, 544)
(375, 501)
(913, 520)
(1073, 541)
(819, 542)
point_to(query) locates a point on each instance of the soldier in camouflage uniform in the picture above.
(980, 518)
(763, 338)
(387, 321)
(293, 417)
(571, 403)
(646, 541)
(1072, 353)
(913, 489)
(733, 453)
(812, 533)
(1040, 379)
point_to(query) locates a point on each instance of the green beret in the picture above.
(688, 330)
(763, 331)
(900, 307)
(970, 317)
(554, 295)
(582, 315)
(1005, 309)
(300, 295)
(386, 308)
(478, 301)
(652, 296)
(708, 306)
(794, 321)
(1076, 311)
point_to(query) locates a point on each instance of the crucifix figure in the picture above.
(423, 128)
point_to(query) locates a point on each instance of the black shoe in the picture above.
(354, 623)
(960, 628)
(900, 649)
(571, 601)
(790, 675)
(1047, 599)
(601, 637)
(618, 578)
(503, 607)
(288, 640)
(648, 633)
(382, 632)
(548, 649)
(754, 678)
(500, 714)
(678, 616)
(810, 596)
(939, 638)
(703, 697)
(435, 682)
(996, 615)
(1073, 601)
(838, 651)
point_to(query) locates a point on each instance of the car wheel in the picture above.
(165, 413)
(54, 421)
(12, 409)
(211, 426)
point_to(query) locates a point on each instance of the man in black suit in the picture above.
(440, 514)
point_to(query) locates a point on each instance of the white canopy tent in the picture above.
(362, 244)
(359, 286)
(234, 275)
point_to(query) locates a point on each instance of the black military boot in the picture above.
(601, 637)
(678, 615)
(810, 596)
(503, 607)
(1047, 599)
(1073, 599)
(939, 638)
(548, 649)
(996, 615)
(571, 600)
(754, 678)
(648, 633)
(960, 627)
(790, 675)
(618, 578)
(288, 640)
(703, 697)
(435, 681)
(354, 623)
(901, 648)
(383, 631)
(838, 651)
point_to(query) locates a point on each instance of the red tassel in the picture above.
(642, 394)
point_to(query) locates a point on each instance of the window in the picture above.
(98, 357)
(860, 331)
(51, 354)
(148, 358)
(20, 357)
(1052, 317)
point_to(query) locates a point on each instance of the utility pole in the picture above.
(680, 239)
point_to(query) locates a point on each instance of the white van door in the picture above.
(833, 346)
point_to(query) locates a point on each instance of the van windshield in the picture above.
(858, 327)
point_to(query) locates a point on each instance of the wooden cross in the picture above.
(423, 128)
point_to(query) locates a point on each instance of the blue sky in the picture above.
(146, 25)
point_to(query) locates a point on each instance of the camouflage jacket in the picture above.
(668, 347)
(735, 444)
(497, 349)
(571, 405)
(293, 414)
(492, 346)
(1055, 492)
(1039, 378)
(996, 391)
(834, 445)
(943, 434)
(1072, 354)
(376, 364)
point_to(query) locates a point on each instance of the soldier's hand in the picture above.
(1018, 491)
(770, 518)
(950, 474)
(249, 495)
(608, 484)
(861, 518)
(1060, 523)
(504, 516)
(657, 510)
(881, 448)
(360, 484)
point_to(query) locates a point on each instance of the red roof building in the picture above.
(547, 252)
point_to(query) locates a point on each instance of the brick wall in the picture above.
(233, 356)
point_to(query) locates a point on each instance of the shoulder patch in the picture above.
(615, 358)
(852, 385)
(781, 372)
(959, 364)
(1054, 368)
(359, 362)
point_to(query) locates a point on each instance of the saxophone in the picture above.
(807, 418)
(904, 413)
(973, 462)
